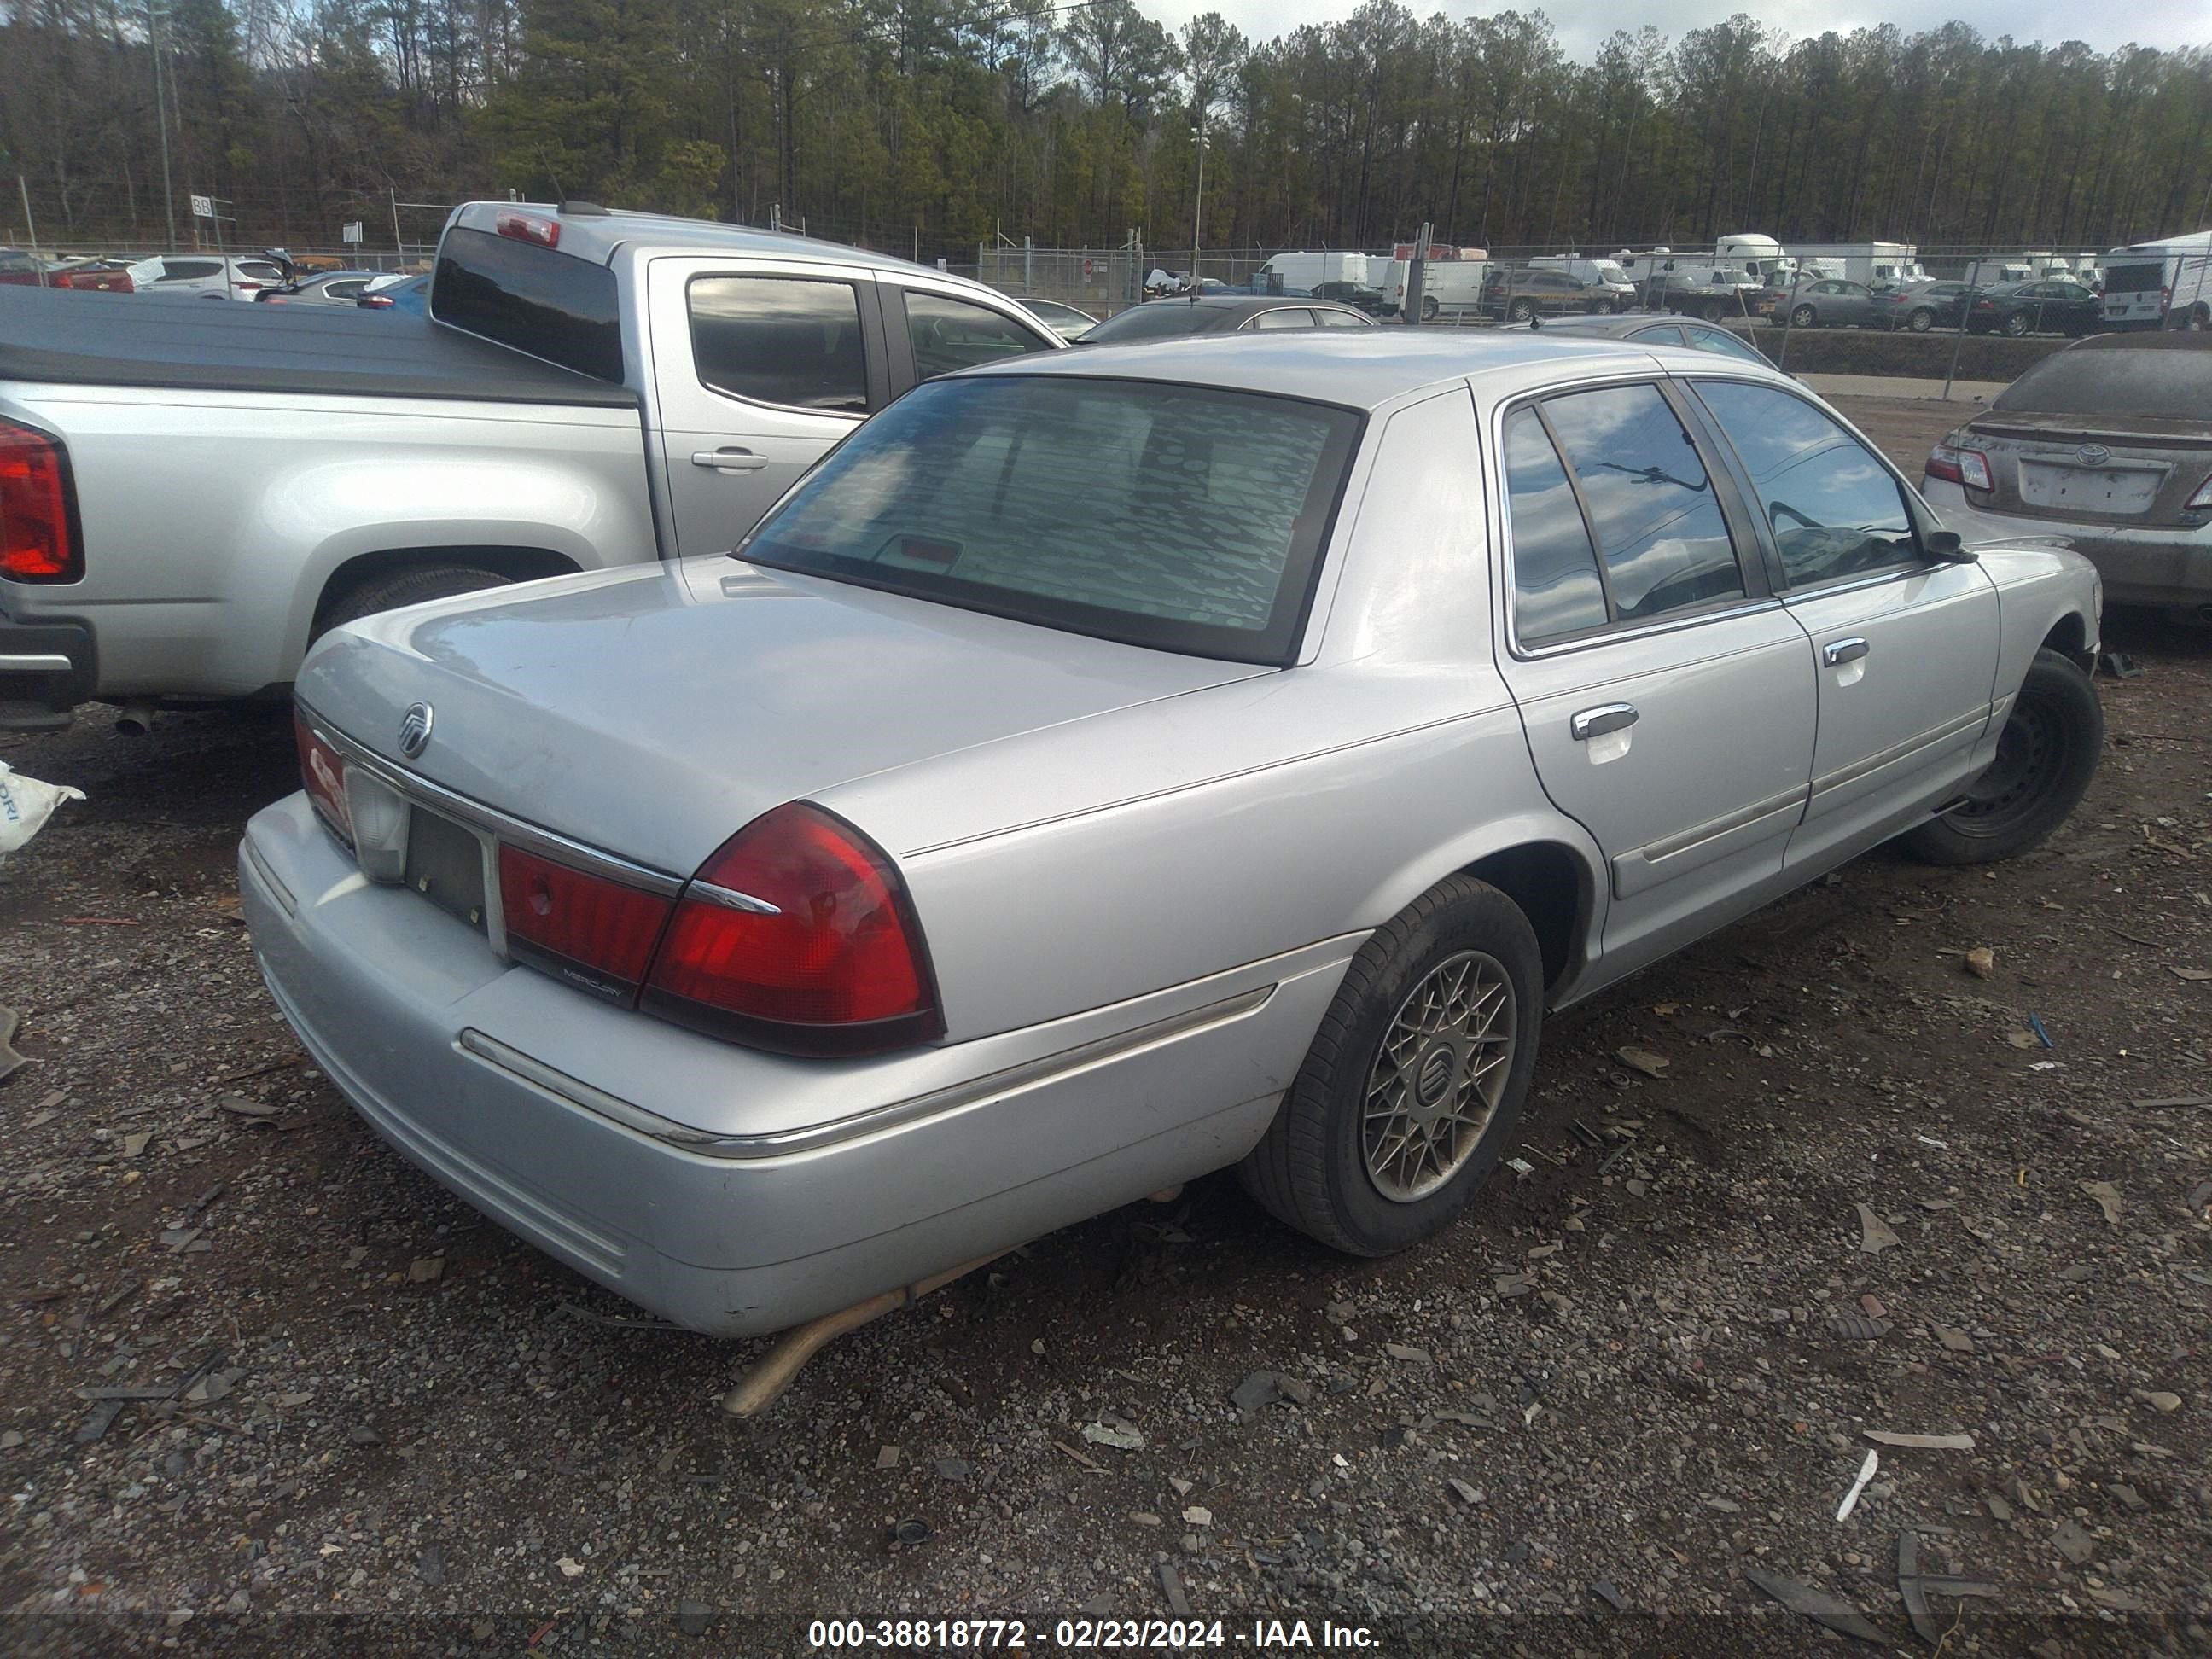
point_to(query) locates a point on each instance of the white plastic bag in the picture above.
(26, 803)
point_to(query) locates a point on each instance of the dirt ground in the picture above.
(1864, 1196)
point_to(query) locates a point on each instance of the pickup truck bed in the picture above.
(82, 339)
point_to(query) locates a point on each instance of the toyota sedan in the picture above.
(1112, 766)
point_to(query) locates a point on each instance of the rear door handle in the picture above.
(729, 460)
(1607, 717)
(1837, 652)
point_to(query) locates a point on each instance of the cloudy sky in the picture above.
(1583, 23)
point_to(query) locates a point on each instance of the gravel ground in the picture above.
(1863, 1197)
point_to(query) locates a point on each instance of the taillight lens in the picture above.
(1969, 467)
(322, 774)
(529, 228)
(797, 934)
(593, 932)
(38, 531)
(2201, 499)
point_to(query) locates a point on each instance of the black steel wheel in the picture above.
(2047, 753)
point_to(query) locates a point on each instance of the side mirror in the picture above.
(1946, 545)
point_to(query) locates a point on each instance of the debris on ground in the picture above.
(1921, 1442)
(10, 1062)
(1644, 1060)
(1817, 1605)
(1981, 962)
(1875, 1234)
(1122, 1436)
(26, 803)
(2108, 1199)
(1264, 1388)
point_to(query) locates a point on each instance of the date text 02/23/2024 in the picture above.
(1084, 1635)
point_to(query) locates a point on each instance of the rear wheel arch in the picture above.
(506, 563)
(1553, 887)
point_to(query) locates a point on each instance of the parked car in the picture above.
(1517, 295)
(1923, 306)
(208, 275)
(1105, 768)
(2056, 305)
(2102, 442)
(1069, 322)
(19, 269)
(1831, 302)
(1715, 296)
(1358, 295)
(1220, 314)
(322, 288)
(200, 542)
(1658, 331)
(410, 295)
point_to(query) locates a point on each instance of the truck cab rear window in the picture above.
(549, 304)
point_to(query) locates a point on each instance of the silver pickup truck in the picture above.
(190, 494)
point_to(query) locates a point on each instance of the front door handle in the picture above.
(1607, 717)
(729, 460)
(1837, 652)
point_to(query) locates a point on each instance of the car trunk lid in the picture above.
(651, 713)
(2102, 469)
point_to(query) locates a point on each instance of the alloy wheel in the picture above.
(1439, 1076)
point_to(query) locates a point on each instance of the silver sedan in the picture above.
(1109, 767)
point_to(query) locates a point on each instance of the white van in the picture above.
(1449, 287)
(1308, 271)
(1604, 273)
(2165, 285)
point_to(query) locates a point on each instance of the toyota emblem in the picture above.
(415, 729)
(2094, 454)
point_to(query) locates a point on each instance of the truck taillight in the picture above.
(529, 228)
(799, 935)
(1969, 467)
(39, 538)
(322, 774)
(590, 930)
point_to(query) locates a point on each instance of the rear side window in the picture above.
(1341, 320)
(950, 334)
(259, 270)
(1556, 590)
(1834, 509)
(549, 304)
(2169, 375)
(788, 340)
(1651, 509)
(1178, 517)
(1722, 345)
(186, 271)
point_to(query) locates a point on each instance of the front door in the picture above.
(1669, 702)
(1904, 648)
(759, 368)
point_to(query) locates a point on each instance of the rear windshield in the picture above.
(1156, 321)
(2170, 380)
(549, 304)
(2144, 278)
(1180, 517)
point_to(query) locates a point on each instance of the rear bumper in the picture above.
(47, 669)
(2148, 566)
(579, 1126)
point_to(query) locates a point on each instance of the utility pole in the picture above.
(396, 241)
(31, 229)
(1198, 211)
(161, 119)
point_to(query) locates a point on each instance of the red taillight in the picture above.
(322, 774)
(1969, 467)
(37, 532)
(529, 228)
(797, 934)
(591, 930)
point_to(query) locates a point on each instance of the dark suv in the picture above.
(1517, 295)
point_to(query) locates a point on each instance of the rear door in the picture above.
(1904, 648)
(934, 331)
(1668, 700)
(760, 367)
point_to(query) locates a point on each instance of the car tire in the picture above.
(1921, 320)
(1424, 979)
(412, 585)
(1803, 317)
(2016, 325)
(1601, 307)
(2046, 755)
(1430, 308)
(1520, 311)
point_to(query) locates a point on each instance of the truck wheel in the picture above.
(411, 585)
(1715, 312)
(1430, 307)
(2046, 755)
(1415, 1080)
(1921, 320)
(1803, 317)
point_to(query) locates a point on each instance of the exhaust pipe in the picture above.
(136, 720)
